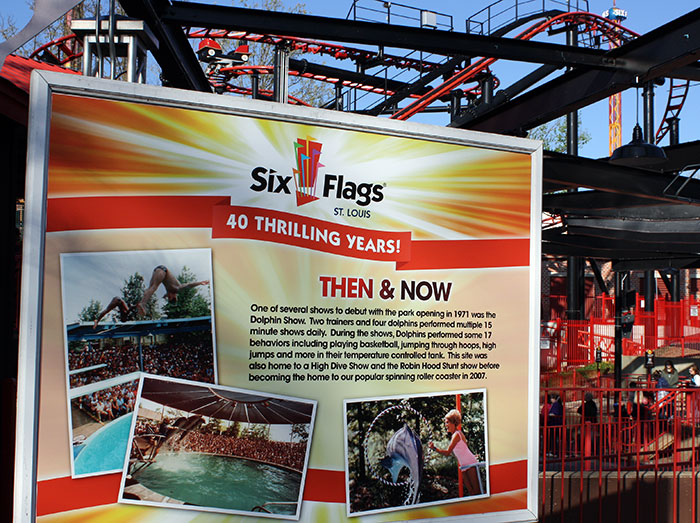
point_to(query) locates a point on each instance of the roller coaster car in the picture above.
(211, 52)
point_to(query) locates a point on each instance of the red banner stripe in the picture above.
(467, 254)
(311, 233)
(507, 477)
(62, 494)
(327, 486)
(136, 212)
(130, 212)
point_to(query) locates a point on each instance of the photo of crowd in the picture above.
(107, 404)
(111, 361)
(192, 360)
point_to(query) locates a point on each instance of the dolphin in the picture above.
(181, 427)
(405, 450)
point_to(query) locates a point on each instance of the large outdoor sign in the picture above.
(239, 307)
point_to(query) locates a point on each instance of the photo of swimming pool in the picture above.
(222, 481)
(104, 450)
(203, 447)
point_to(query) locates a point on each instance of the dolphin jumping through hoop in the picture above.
(405, 450)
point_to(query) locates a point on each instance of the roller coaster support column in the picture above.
(281, 87)
(572, 118)
(649, 275)
(649, 290)
(648, 94)
(338, 105)
(255, 85)
(574, 265)
(486, 88)
(574, 273)
(674, 139)
(455, 104)
(619, 298)
(675, 274)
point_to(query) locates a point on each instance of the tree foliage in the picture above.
(553, 135)
(58, 28)
(91, 311)
(213, 426)
(233, 430)
(256, 431)
(8, 27)
(132, 293)
(300, 432)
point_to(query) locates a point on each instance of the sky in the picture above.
(643, 16)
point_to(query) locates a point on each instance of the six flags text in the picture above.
(334, 186)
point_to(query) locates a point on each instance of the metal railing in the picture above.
(627, 435)
(671, 330)
(504, 12)
(394, 13)
(380, 11)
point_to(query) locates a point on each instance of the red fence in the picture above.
(684, 312)
(572, 343)
(672, 325)
(646, 432)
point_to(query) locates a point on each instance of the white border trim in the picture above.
(31, 306)
(534, 335)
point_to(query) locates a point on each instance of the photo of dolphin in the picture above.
(405, 450)
(389, 464)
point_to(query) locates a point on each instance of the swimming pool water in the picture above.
(104, 450)
(221, 481)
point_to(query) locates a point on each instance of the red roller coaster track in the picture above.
(60, 51)
(339, 52)
(243, 70)
(677, 93)
(590, 22)
(65, 49)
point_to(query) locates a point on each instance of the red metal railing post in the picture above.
(693, 452)
(674, 493)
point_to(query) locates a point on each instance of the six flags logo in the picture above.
(308, 154)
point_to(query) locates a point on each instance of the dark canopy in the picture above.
(228, 405)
